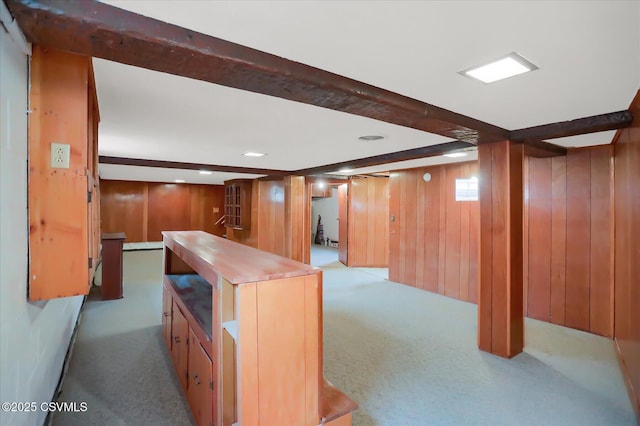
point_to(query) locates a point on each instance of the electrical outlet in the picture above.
(60, 153)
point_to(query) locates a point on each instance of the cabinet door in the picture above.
(166, 317)
(180, 344)
(200, 392)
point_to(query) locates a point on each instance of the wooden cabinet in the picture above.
(180, 344)
(200, 388)
(261, 333)
(237, 203)
(167, 308)
(63, 202)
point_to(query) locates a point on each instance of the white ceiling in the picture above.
(588, 53)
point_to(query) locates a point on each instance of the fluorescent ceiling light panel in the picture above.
(179, 181)
(205, 172)
(505, 67)
(253, 154)
(455, 154)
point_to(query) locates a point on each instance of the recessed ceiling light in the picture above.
(345, 170)
(371, 138)
(505, 67)
(253, 154)
(455, 154)
(205, 172)
(179, 181)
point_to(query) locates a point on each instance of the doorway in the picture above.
(326, 222)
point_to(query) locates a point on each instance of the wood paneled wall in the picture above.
(142, 210)
(569, 240)
(433, 238)
(267, 218)
(368, 223)
(627, 249)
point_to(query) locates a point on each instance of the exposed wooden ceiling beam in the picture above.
(188, 166)
(409, 154)
(580, 126)
(95, 29)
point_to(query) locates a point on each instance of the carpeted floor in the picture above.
(408, 357)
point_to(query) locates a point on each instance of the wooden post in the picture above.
(500, 304)
(297, 226)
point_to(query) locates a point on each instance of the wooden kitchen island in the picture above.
(244, 328)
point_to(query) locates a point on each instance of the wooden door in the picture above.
(200, 392)
(343, 226)
(166, 317)
(179, 347)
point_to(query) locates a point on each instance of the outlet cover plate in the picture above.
(60, 153)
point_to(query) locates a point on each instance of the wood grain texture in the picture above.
(179, 347)
(539, 242)
(558, 238)
(343, 226)
(236, 262)
(627, 251)
(500, 310)
(368, 208)
(248, 397)
(59, 215)
(575, 192)
(281, 354)
(125, 208)
(297, 240)
(435, 238)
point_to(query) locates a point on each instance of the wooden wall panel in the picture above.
(569, 276)
(343, 228)
(434, 239)
(169, 207)
(578, 239)
(271, 235)
(539, 243)
(143, 209)
(368, 206)
(627, 253)
(297, 217)
(122, 208)
(558, 238)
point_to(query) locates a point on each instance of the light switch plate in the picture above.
(60, 153)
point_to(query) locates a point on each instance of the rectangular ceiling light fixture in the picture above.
(253, 154)
(505, 67)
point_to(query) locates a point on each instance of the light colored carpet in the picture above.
(408, 357)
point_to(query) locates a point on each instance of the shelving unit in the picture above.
(237, 203)
(264, 346)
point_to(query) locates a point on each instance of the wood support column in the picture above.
(500, 303)
(297, 227)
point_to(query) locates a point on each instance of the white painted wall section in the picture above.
(34, 336)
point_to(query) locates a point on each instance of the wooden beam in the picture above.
(500, 298)
(409, 154)
(188, 166)
(580, 126)
(96, 29)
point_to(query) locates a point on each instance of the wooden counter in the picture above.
(263, 342)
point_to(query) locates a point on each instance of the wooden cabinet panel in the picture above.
(266, 336)
(237, 203)
(167, 308)
(180, 344)
(63, 240)
(200, 389)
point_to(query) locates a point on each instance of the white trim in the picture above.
(13, 30)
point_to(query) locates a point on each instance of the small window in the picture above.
(467, 189)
